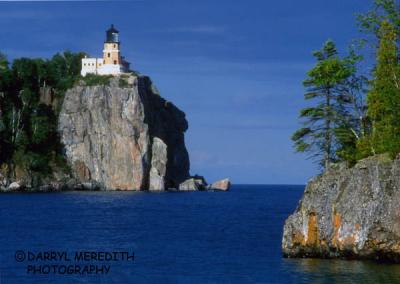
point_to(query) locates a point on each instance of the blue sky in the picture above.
(234, 67)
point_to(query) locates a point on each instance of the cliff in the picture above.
(112, 133)
(348, 212)
(123, 135)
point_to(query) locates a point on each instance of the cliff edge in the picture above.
(349, 213)
(123, 136)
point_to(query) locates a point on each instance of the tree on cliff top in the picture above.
(28, 136)
(384, 97)
(384, 10)
(328, 124)
(4, 72)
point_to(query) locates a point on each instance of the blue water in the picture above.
(196, 237)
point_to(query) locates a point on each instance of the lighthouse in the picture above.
(112, 62)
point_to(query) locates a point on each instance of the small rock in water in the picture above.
(223, 185)
(189, 185)
(194, 183)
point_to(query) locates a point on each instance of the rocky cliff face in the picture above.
(348, 212)
(124, 136)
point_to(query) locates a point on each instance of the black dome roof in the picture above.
(112, 35)
(112, 30)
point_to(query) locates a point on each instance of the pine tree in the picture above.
(28, 130)
(384, 97)
(325, 84)
(352, 124)
(4, 73)
(384, 10)
(4, 85)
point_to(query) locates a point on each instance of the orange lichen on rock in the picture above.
(313, 233)
(298, 238)
(348, 241)
(358, 210)
(337, 222)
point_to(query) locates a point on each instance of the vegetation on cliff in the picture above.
(330, 125)
(355, 115)
(28, 123)
(384, 97)
(59, 130)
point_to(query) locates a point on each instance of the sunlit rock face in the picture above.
(348, 212)
(124, 136)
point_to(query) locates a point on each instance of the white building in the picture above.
(112, 62)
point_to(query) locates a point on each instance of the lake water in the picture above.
(195, 237)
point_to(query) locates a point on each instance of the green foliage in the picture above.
(383, 11)
(4, 72)
(42, 127)
(343, 126)
(123, 83)
(384, 97)
(329, 129)
(363, 148)
(63, 70)
(346, 143)
(37, 162)
(33, 161)
(134, 73)
(3, 62)
(28, 136)
(95, 80)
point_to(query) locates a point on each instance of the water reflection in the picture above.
(318, 271)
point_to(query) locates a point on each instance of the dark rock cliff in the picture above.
(348, 212)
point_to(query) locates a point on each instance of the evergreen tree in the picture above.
(324, 86)
(4, 84)
(352, 122)
(384, 10)
(28, 135)
(384, 97)
(63, 69)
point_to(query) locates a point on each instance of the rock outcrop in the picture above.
(348, 212)
(223, 184)
(14, 186)
(199, 183)
(124, 136)
(158, 165)
(48, 98)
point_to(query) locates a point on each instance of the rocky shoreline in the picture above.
(351, 213)
(118, 135)
(74, 185)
